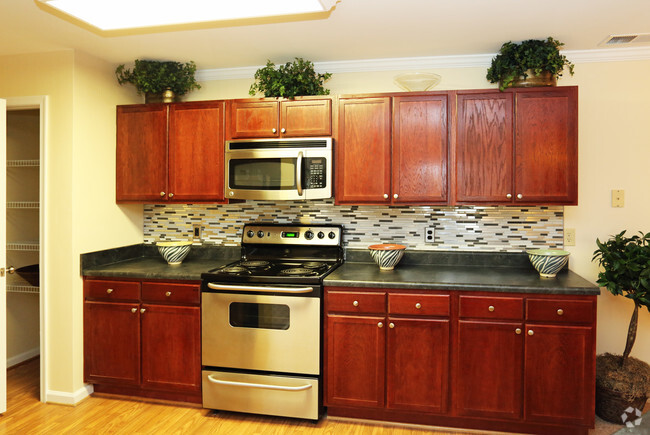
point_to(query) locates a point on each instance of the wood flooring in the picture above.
(104, 414)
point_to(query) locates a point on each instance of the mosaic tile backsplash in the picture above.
(471, 228)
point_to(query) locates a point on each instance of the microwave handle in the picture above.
(299, 173)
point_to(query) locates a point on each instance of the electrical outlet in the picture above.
(429, 235)
(569, 237)
(618, 198)
(197, 232)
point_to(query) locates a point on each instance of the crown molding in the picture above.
(432, 62)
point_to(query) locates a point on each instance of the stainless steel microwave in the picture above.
(279, 169)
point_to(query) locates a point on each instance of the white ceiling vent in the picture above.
(626, 40)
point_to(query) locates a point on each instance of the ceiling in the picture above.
(353, 30)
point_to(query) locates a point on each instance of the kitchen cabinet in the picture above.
(170, 152)
(386, 350)
(143, 338)
(392, 149)
(517, 147)
(302, 117)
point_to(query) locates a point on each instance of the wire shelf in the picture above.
(16, 284)
(23, 246)
(23, 204)
(23, 163)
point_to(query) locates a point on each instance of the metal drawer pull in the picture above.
(262, 386)
(531, 332)
(252, 288)
(168, 294)
(560, 311)
(109, 290)
(418, 305)
(355, 303)
(518, 331)
(491, 308)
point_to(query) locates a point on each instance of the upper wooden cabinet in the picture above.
(517, 147)
(392, 150)
(170, 152)
(302, 117)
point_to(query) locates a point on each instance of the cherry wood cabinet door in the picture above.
(546, 144)
(420, 151)
(417, 365)
(484, 148)
(363, 151)
(112, 343)
(489, 369)
(196, 151)
(355, 355)
(253, 119)
(560, 374)
(301, 118)
(171, 347)
(141, 160)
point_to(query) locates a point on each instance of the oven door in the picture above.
(261, 332)
(279, 174)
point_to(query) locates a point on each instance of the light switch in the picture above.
(618, 198)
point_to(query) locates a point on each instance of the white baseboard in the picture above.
(64, 398)
(17, 359)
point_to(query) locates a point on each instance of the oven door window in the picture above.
(263, 173)
(260, 316)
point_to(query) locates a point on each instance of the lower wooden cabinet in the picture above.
(143, 338)
(509, 362)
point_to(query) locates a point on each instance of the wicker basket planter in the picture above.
(610, 404)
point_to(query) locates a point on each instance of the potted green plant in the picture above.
(289, 80)
(534, 62)
(153, 78)
(621, 380)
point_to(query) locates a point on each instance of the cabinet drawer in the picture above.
(559, 310)
(418, 304)
(173, 293)
(356, 302)
(488, 307)
(112, 290)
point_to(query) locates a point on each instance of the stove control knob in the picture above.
(321, 235)
(260, 234)
(250, 233)
(331, 235)
(309, 234)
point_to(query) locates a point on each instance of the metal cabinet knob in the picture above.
(381, 325)
(519, 196)
(162, 194)
(509, 195)
(142, 310)
(531, 332)
(133, 310)
(355, 303)
(418, 305)
(385, 196)
(168, 294)
(491, 308)
(171, 195)
(391, 325)
(283, 130)
(518, 331)
(109, 290)
(560, 311)
(395, 196)
(273, 130)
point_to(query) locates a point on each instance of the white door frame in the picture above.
(3, 256)
(40, 103)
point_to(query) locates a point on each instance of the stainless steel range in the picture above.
(262, 319)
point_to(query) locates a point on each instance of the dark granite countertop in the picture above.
(144, 262)
(502, 272)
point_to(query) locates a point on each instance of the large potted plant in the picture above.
(289, 80)
(534, 62)
(621, 380)
(154, 78)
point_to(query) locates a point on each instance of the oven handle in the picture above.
(262, 386)
(299, 173)
(251, 288)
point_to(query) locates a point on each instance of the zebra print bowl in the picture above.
(548, 262)
(174, 252)
(387, 255)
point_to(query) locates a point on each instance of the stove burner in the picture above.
(235, 270)
(255, 263)
(298, 271)
(313, 265)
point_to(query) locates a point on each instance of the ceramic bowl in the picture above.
(387, 255)
(174, 252)
(417, 81)
(548, 262)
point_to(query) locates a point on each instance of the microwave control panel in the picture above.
(316, 173)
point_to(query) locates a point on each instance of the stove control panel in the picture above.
(311, 235)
